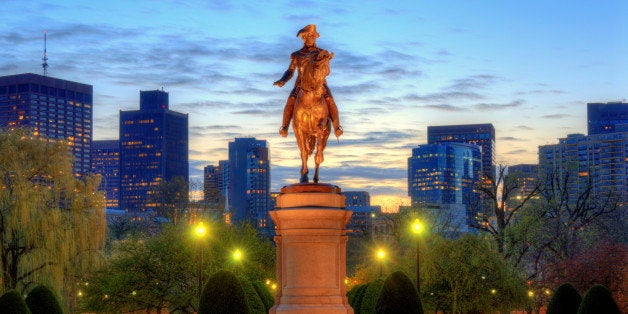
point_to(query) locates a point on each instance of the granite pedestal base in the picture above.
(311, 250)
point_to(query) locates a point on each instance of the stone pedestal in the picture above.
(311, 250)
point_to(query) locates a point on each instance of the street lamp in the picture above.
(416, 229)
(381, 254)
(200, 234)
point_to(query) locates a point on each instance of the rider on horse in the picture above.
(298, 61)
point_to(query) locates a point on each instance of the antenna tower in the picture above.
(45, 58)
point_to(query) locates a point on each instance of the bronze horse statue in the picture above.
(311, 120)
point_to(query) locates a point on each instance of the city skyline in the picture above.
(527, 68)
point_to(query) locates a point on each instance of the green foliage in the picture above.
(359, 296)
(264, 294)
(598, 300)
(371, 295)
(352, 293)
(53, 224)
(157, 272)
(565, 300)
(223, 294)
(253, 300)
(398, 295)
(12, 303)
(468, 274)
(42, 300)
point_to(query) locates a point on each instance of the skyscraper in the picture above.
(597, 161)
(479, 134)
(607, 117)
(153, 149)
(446, 174)
(249, 183)
(52, 108)
(105, 160)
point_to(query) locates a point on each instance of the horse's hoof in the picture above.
(338, 131)
(304, 179)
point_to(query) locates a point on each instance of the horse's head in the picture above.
(316, 71)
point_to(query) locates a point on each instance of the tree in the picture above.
(12, 302)
(398, 295)
(598, 300)
(160, 271)
(371, 295)
(154, 273)
(499, 190)
(223, 294)
(466, 275)
(264, 294)
(171, 198)
(52, 224)
(565, 300)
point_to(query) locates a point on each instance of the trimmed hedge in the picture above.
(359, 296)
(371, 295)
(399, 296)
(598, 299)
(42, 300)
(264, 294)
(12, 303)
(223, 294)
(253, 300)
(565, 300)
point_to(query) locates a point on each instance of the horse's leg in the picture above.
(320, 147)
(302, 141)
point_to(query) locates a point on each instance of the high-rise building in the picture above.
(52, 108)
(607, 117)
(214, 183)
(597, 161)
(445, 175)
(364, 215)
(528, 174)
(478, 134)
(249, 183)
(153, 149)
(106, 162)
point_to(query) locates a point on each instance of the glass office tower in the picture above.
(106, 162)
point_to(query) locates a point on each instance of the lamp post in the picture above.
(380, 256)
(200, 234)
(237, 257)
(416, 229)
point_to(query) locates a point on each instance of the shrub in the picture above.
(12, 303)
(359, 296)
(371, 294)
(42, 300)
(598, 299)
(565, 300)
(398, 296)
(223, 294)
(253, 300)
(351, 294)
(264, 294)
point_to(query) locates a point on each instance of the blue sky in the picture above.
(528, 67)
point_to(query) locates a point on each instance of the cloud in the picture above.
(524, 127)
(493, 106)
(472, 82)
(444, 107)
(517, 152)
(510, 138)
(556, 116)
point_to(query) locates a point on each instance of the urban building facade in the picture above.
(597, 162)
(607, 117)
(364, 215)
(105, 161)
(153, 149)
(52, 108)
(249, 183)
(445, 175)
(479, 134)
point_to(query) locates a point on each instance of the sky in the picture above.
(527, 67)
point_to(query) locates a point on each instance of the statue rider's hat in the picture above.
(308, 30)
